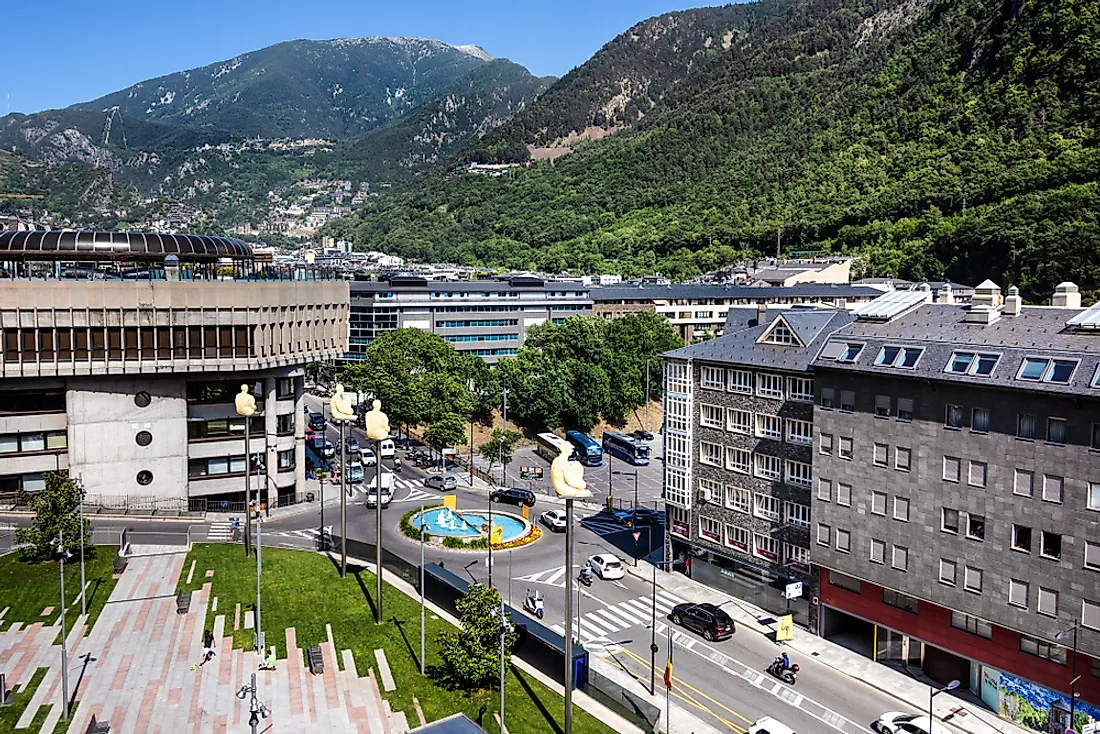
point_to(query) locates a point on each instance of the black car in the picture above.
(706, 619)
(643, 435)
(513, 496)
(317, 421)
(638, 516)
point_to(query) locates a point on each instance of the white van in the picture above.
(387, 448)
(371, 487)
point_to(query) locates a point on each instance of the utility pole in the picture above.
(247, 487)
(344, 503)
(259, 571)
(83, 583)
(64, 644)
(568, 679)
(377, 528)
(422, 589)
(647, 394)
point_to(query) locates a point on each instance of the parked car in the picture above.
(317, 421)
(352, 445)
(355, 473)
(706, 619)
(607, 566)
(897, 722)
(387, 449)
(637, 516)
(513, 496)
(554, 519)
(367, 456)
(443, 482)
(643, 435)
(768, 725)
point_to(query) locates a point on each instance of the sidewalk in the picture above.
(960, 709)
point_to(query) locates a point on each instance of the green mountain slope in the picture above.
(67, 189)
(934, 137)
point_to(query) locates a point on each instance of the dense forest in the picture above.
(935, 138)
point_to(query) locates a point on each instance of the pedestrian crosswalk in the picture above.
(550, 577)
(219, 532)
(405, 490)
(598, 628)
(311, 534)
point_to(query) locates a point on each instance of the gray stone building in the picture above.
(738, 454)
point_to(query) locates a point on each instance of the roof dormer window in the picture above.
(971, 363)
(1045, 369)
(900, 357)
(782, 335)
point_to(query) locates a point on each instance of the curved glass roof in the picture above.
(85, 245)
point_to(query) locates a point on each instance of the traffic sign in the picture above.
(637, 534)
(793, 590)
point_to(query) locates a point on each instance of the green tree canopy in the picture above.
(55, 512)
(471, 655)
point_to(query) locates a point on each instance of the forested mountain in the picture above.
(933, 137)
(63, 187)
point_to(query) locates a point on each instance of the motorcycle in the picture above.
(787, 675)
(532, 604)
(585, 578)
(397, 465)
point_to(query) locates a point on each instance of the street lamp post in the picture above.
(505, 628)
(422, 589)
(259, 571)
(377, 427)
(1073, 672)
(344, 503)
(83, 583)
(321, 536)
(245, 405)
(568, 616)
(932, 694)
(646, 398)
(64, 644)
(504, 422)
(257, 710)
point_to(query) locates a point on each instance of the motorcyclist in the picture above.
(785, 661)
(586, 572)
(396, 464)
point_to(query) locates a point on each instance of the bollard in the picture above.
(4, 700)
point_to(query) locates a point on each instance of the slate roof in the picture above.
(699, 291)
(738, 344)
(940, 329)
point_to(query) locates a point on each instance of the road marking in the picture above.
(550, 577)
(673, 600)
(419, 495)
(219, 531)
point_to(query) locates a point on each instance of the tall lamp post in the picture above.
(1073, 671)
(422, 589)
(342, 411)
(505, 628)
(83, 583)
(259, 564)
(60, 545)
(932, 694)
(245, 405)
(377, 426)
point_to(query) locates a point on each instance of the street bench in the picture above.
(316, 660)
(120, 564)
(183, 602)
(98, 727)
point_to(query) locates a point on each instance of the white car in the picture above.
(554, 519)
(898, 722)
(768, 725)
(387, 448)
(367, 456)
(607, 566)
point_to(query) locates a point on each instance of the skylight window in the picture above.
(903, 357)
(850, 353)
(970, 363)
(1096, 378)
(1043, 369)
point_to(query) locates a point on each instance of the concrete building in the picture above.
(957, 469)
(738, 455)
(699, 311)
(488, 318)
(122, 353)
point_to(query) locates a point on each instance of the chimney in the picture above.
(761, 312)
(1066, 295)
(987, 293)
(1013, 303)
(946, 295)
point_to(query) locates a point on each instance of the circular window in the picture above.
(145, 477)
(143, 438)
(142, 399)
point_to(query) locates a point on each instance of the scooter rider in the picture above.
(785, 660)
(586, 572)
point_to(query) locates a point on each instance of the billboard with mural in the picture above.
(1035, 707)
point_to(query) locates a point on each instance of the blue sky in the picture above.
(76, 50)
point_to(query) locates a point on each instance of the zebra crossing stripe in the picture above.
(556, 576)
(673, 599)
(630, 613)
(645, 606)
(619, 623)
(589, 623)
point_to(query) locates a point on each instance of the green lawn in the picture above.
(28, 588)
(304, 590)
(21, 696)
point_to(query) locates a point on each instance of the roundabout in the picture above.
(460, 529)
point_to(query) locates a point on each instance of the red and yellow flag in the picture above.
(668, 666)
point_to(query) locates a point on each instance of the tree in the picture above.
(471, 655)
(499, 445)
(55, 510)
(448, 430)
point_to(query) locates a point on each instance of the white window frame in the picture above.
(1023, 476)
(714, 526)
(949, 572)
(797, 514)
(765, 506)
(769, 385)
(825, 444)
(710, 489)
(977, 474)
(972, 579)
(769, 426)
(843, 494)
(901, 508)
(899, 452)
(1050, 596)
(843, 453)
(824, 534)
(1054, 488)
(1016, 588)
(880, 454)
(843, 541)
(739, 381)
(712, 416)
(766, 466)
(800, 432)
(738, 499)
(877, 551)
(799, 473)
(738, 538)
(825, 490)
(705, 453)
(765, 547)
(875, 497)
(738, 460)
(739, 421)
(800, 389)
(903, 552)
(1092, 498)
(797, 556)
(707, 375)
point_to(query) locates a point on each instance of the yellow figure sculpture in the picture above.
(567, 477)
(339, 406)
(376, 423)
(246, 404)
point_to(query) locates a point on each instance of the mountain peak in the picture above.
(476, 51)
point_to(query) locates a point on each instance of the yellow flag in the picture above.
(449, 501)
(784, 631)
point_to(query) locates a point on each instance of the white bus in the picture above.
(548, 445)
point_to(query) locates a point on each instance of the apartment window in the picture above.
(979, 420)
(1039, 369)
(799, 473)
(800, 389)
(900, 357)
(738, 460)
(769, 386)
(1093, 498)
(948, 570)
(766, 507)
(847, 401)
(284, 424)
(901, 509)
(781, 335)
(1048, 602)
(878, 551)
(766, 547)
(1092, 556)
(828, 397)
(710, 453)
(739, 499)
(1023, 483)
(844, 450)
(972, 579)
(825, 490)
(740, 381)
(1017, 593)
(1021, 538)
(1053, 487)
(949, 520)
(951, 469)
(797, 515)
(900, 558)
(976, 474)
(844, 494)
(902, 458)
(973, 625)
(769, 467)
(286, 459)
(975, 527)
(882, 406)
(843, 581)
(824, 532)
(901, 601)
(712, 378)
(969, 363)
(1025, 426)
(905, 409)
(1056, 430)
(1051, 546)
(737, 537)
(797, 556)
(710, 529)
(1042, 649)
(284, 388)
(711, 416)
(878, 503)
(710, 490)
(1090, 615)
(769, 426)
(825, 444)
(881, 454)
(954, 416)
(800, 432)
(738, 421)
(843, 541)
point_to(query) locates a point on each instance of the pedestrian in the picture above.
(269, 663)
(207, 655)
(208, 639)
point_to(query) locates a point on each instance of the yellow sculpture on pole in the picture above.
(339, 406)
(567, 477)
(376, 423)
(245, 403)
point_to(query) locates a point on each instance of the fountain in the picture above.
(469, 525)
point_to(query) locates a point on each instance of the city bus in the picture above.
(585, 448)
(627, 448)
(548, 445)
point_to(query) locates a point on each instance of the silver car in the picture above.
(554, 519)
(445, 482)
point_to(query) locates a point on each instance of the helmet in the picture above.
(794, 668)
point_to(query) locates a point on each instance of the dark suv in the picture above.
(317, 421)
(706, 619)
(513, 496)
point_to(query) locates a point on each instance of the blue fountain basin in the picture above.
(468, 524)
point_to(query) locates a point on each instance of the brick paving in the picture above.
(134, 669)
